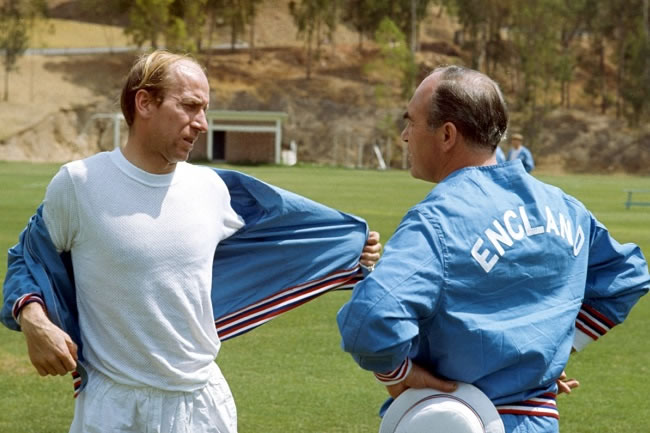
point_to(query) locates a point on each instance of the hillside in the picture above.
(52, 98)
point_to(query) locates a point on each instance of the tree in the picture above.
(394, 67)
(148, 21)
(111, 12)
(13, 37)
(250, 13)
(189, 18)
(365, 16)
(310, 16)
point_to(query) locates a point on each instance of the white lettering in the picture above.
(516, 235)
(495, 237)
(580, 240)
(550, 222)
(481, 257)
(530, 231)
(565, 229)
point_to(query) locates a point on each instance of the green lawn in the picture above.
(290, 375)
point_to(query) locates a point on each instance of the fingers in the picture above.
(397, 389)
(441, 385)
(418, 377)
(565, 385)
(51, 351)
(72, 348)
(56, 363)
(433, 382)
(371, 251)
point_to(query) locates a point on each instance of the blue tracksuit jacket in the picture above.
(290, 250)
(488, 281)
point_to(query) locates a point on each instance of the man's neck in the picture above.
(153, 163)
(469, 158)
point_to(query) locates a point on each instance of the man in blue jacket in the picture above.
(116, 277)
(520, 152)
(495, 277)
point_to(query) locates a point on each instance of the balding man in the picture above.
(495, 276)
(141, 226)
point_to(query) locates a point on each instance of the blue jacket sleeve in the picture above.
(19, 281)
(35, 266)
(617, 277)
(290, 250)
(379, 325)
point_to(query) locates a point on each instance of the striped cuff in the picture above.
(592, 324)
(544, 405)
(24, 300)
(397, 375)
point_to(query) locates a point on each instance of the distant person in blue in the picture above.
(521, 152)
(495, 277)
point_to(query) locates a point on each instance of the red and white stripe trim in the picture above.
(544, 405)
(593, 323)
(397, 375)
(24, 300)
(257, 314)
(76, 383)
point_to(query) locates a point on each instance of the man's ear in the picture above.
(449, 136)
(144, 103)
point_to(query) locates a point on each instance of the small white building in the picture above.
(248, 137)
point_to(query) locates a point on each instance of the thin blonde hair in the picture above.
(150, 72)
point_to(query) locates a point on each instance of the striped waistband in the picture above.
(544, 405)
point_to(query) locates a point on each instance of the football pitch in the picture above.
(290, 375)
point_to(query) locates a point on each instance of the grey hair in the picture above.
(472, 102)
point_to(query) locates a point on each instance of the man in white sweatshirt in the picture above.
(142, 236)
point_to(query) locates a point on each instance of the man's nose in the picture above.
(200, 121)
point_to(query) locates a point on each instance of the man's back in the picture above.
(511, 293)
(482, 283)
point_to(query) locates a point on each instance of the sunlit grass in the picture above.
(290, 375)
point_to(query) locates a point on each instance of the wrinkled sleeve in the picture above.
(617, 277)
(18, 282)
(58, 214)
(380, 322)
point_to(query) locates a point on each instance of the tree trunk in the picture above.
(212, 23)
(601, 70)
(251, 38)
(6, 95)
(233, 35)
(310, 36)
(619, 77)
(414, 21)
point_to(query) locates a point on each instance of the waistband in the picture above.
(543, 405)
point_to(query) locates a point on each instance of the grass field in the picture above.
(290, 375)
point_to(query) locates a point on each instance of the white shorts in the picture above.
(105, 406)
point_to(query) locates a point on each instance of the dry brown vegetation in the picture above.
(52, 98)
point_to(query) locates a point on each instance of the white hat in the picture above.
(466, 410)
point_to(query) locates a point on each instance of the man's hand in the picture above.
(566, 385)
(418, 377)
(50, 350)
(371, 251)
